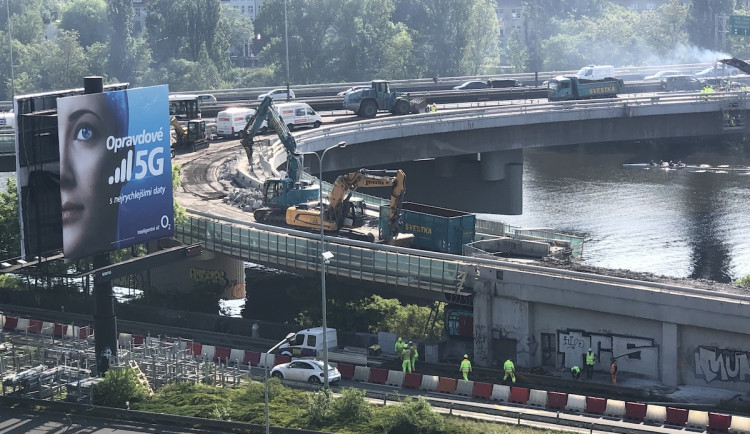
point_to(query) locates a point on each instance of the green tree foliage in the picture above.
(481, 54)
(517, 55)
(120, 13)
(701, 21)
(665, 28)
(743, 281)
(118, 387)
(10, 230)
(88, 18)
(410, 416)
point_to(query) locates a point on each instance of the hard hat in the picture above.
(466, 356)
(590, 349)
(409, 342)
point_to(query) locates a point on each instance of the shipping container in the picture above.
(434, 228)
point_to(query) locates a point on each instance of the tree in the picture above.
(663, 30)
(89, 19)
(701, 23)
(10, 230)
(119, 387)
(482, 53)
(517, 55)
(120, 13)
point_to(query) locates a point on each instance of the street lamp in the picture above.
(286, 41)
(325, 257)
(288, 338)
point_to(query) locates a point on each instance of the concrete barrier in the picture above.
(719, 422)
(412, 380)
(697, 419)
(557, 400)
(378, 375)
(656, 414)
(124, 340)
(361, 373)
(635, 411)
(740, 425)
(222, 354)
(267, 360)
(395, 378)
(465, 387)
(23, 325)
(518, 395)
(346, 370)
(500, 392)
(576, 403)
(676, 416)
(208, 351)
(446, 385)
(615, 408)
(237, 356)
(537, 398)
(429, 383)
(482, 390)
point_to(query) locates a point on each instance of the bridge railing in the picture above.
(287, 251)
(7, 143)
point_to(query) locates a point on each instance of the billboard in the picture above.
(115, 170)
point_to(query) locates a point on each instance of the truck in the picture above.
(379, 97)
(563, 88)
(309, 343)
(278, 193)
(433, 228)
(344, 213)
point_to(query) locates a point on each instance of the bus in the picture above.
(184, 107)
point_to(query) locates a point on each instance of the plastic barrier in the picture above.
(194, 348)
(280, 358)
(500, 392)
(656, 414)
(267, 360)
(138, 340)
(635, 411)
(412, 380)
(378, 375)
(464, 387)
(595, 405)
(519, 395)
(576, 403)
(11, 323)
(697, 419)
(208, 351)
(361, 373)
(60, 331)
(429, 383)
(482, 390)
(222, 354)
(676, 416)
(124, 340)
(537, 398)
(557, 400)
(48, 328)
(446, 385)
(23, 325)
(740, 424)
(252, 358)
(395, 378)
(719, 422)
(346, 370)
(615, 408)
(236, 356)
(35, 326)
(85, 332)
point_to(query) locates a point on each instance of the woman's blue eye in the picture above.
(84, 133)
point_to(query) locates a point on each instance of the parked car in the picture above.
(351, 89)
(474, 84)
(681, 82)
(660, 74)
(305, 370)
(718, 71)
(276, 94)
(206, 98)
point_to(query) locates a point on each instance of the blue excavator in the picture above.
(278, 193)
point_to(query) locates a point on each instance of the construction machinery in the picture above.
(278, 193)
(193, 136)
(379, 97)
(345, 212)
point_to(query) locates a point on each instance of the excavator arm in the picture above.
(737, 63)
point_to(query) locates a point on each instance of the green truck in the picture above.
(563, 88)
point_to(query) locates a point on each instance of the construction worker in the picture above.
(433, 107)
(399, 347)
(590, 362)
(414, 356)
(613, 371)
(465, 367)
(510, 370)
(575, 371)
(406, 359)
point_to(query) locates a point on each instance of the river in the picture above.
(690, 222)
(681, 223)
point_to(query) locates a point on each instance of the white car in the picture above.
(305, 370)
(351, 89)
(276, 94)
(660, 74)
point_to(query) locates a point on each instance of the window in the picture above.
(311, 341)
(299, 112)
(516, 14)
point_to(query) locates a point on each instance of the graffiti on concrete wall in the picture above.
(721, 364)
(481, 346)
(634, 354)
(218, 277)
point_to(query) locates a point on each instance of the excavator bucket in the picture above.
(737, 63)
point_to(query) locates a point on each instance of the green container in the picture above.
(438, 229)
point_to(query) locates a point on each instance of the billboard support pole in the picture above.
(105, 325)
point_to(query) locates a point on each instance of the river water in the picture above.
(690, 222)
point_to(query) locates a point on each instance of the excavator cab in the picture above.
(196, 130)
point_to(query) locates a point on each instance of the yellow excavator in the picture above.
(194, 136)
(345, 212)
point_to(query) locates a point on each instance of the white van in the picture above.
(231, 122)
(298, 114)
(596, 72)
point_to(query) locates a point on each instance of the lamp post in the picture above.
(288, 338)
(286, 42)
(324, 258)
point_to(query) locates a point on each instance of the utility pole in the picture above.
(720, 32)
